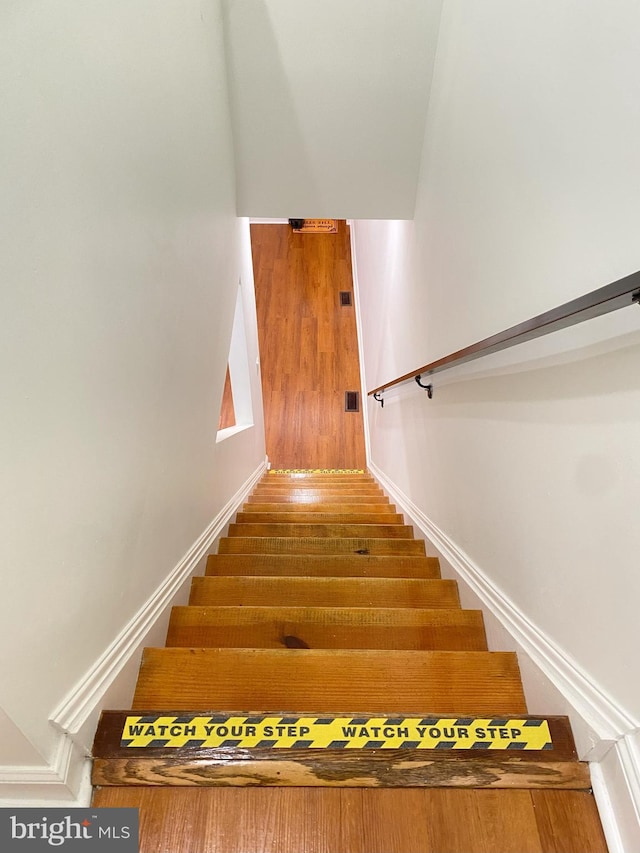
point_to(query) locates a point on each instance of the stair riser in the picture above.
(302, 545)
(336, 498)
(318, 628)
(381, 509)
(320, 479)
(320, 491)
(317, 518)
(323, 592)
(314, 565)
(328, 531)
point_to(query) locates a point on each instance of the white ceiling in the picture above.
(329, 103)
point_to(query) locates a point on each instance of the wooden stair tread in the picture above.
(328, 531)
(323, 565)
(322, 507)
(285, 517)
(318, 545)
(337, 497)
(332, 681)
(301, 494)
(317, 477)
(326, 628)
(323, 592)
(293, 480)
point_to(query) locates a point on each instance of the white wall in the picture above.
(529, 466)
(329, 102)
(121, 260)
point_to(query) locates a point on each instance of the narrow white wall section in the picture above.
(16, 749)
(329, 102)
(531, 169)
(121, 259)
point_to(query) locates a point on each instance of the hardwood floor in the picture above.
(359, 820)
(308, 347)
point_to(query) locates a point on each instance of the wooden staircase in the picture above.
(322, 609)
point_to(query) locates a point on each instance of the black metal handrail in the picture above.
(619, 294)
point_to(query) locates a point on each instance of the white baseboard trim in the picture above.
(607, 736)
(63, 782)
(616, 787)
(66, 779)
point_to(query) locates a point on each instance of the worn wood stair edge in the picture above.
(310, 771)
(115, 764)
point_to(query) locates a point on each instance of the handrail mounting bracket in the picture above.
(427, 388)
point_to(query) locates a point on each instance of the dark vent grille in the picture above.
(345, 297)
(352, 401)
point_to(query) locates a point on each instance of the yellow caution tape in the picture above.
(300, 732)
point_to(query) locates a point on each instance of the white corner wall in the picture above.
(329, 101)
(121, 259)
(525, 469)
